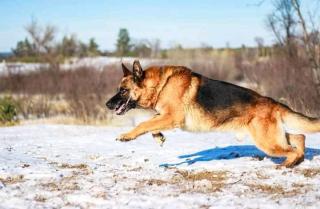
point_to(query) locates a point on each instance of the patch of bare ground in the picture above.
(191, 181)
(76, 166)
(309, 172)
(266, 188)
(40, 198)
(261, 175)
(204, 206)
(77, 169)
(12, 179)
(101, 194)
(136, 169)
(67, 183)
(278, 190)
(202, 175)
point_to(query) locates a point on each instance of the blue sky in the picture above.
(188, 22)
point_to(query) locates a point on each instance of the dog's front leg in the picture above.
(159, 122)
(158, 136)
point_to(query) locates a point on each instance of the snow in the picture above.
(95, 62)
(101, 62)
(60, 166)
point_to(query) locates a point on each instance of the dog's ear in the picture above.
(125, 70)
(138, 73)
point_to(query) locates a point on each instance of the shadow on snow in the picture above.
(233, 152)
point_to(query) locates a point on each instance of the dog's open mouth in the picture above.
(121, 108)
(124, 106)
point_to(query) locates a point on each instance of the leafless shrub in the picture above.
(38, 106)
(43, 43)
(82, 92)
(297, 29)
(216, 64)
(84, 89)
(288, 82)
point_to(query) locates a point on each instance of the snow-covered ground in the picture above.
(94, 62)
(58, 166)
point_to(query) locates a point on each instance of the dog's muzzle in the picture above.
(121, 105)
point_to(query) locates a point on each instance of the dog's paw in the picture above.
(159, 138)
(125, 138)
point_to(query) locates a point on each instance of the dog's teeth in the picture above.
(120, 109)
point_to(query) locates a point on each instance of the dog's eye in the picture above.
(123, 91)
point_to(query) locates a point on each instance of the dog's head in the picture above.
(129, 91)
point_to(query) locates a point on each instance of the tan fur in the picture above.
(171, 92)
(300, 122)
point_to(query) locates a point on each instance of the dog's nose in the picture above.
(108, 104)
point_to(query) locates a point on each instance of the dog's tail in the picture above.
(299, 122)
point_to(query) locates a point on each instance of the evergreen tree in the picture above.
(123, 42)
(93, 47)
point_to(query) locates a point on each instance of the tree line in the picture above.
(42, 45)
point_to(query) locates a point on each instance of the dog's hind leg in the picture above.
(270, 137)
(298, 142)
(159, 137)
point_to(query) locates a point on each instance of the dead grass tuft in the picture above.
(12, 179)
(310, 172)
(290, 82)
(135, 169)
(40, 198)
(203, 175)
(190, 181)
(261, 175)
(265, 188)
(157, 182)
(66, 184)
(277, 190)
(74, 166)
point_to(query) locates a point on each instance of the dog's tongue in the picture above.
(120, 109)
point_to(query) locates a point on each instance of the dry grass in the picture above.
(40, 198)
(68, 183)
(74, 166)
(12, 179)
(266, 188)
(191, 181)
(288, 81)
(279, 191)
(157, 182)
(77, 169)
(203, 175)
(310, 172)
(261, 175)
(217, 64)
(81, 93)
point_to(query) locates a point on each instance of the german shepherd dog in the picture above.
(187, 100)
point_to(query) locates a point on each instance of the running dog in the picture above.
(190, 101)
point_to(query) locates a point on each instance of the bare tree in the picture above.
(282, 23)
(310, 40)
(260, 44)
(155, 46)
(43, 40)
(296, 30)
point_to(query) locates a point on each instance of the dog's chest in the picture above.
(196, 121)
